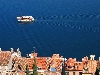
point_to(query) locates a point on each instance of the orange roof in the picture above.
(41, 62)
(72, 64)
(21, 61)
(4, 57)
(55, 62)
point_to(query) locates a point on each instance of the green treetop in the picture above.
(27, 70)
(35, 67)
(98, 69)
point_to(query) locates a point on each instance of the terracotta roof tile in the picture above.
(21, 61)
(72, 64)
(4, 57)
(55, 62)
(41, 62)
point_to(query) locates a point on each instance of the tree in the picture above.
(97, 71)
(35, 67)
(27, 70)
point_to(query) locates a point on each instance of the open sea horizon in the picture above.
(66, 27)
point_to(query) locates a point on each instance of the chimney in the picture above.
(0, 50)
(17, 49)
(74, 59)
(99, 58)
(86, 58)
(12, 49)
(32, 55)
(82, 59)
(18, 52)
(35, 54)
(92, 57)
(27, 55)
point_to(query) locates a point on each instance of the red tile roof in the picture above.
(72, 64)
(4, 57)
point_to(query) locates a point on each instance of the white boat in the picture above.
(25, 19)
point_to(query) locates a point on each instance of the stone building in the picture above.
(73, 67)
(89, 65)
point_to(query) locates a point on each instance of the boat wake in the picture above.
(72, 25)
(72, 16)
(77, 21)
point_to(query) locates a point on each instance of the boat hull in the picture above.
(25, 19)
(28, 22)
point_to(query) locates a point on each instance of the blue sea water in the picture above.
(70, 28)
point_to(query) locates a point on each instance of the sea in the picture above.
(70, 28)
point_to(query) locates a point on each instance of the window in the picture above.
(67, 73)
(39, 68)
(69, 66)
(73, 73)
(6, 73)
(80, 73)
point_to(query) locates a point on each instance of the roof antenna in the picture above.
(34, 49)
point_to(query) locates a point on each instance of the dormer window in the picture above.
(75, 67)
(73, 73)
(69, 66)
(47, 59)
(67, 73)
(86, 69)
